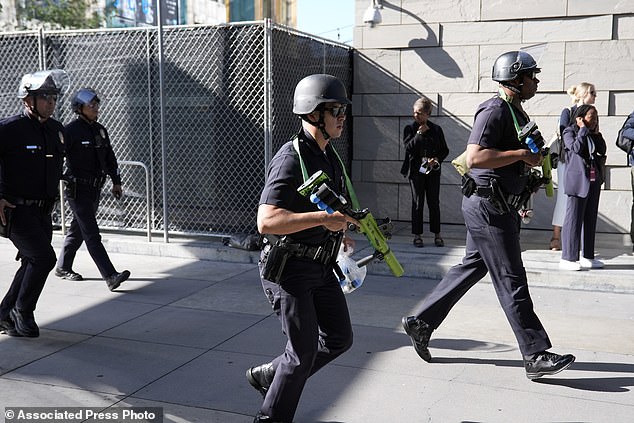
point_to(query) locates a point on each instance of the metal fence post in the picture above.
(162, 124)
(268, 145)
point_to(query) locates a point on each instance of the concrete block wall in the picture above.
(444, 50)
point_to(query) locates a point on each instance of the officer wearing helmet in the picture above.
(500, 164)
(89, 160)
(31, 157)
(301, 245)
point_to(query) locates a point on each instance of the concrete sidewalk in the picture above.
(181, 332)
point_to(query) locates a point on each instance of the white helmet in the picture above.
(54, 81)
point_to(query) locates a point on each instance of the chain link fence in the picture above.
(202, 107)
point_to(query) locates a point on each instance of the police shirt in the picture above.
(89, 154)
(31, 157)
(493, 127)
(284, 176)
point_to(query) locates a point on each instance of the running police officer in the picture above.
(89, 160)
(300, 251)
(500, 166)
(31, 157)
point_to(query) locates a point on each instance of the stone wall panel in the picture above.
(451, 69)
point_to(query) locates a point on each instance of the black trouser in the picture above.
(314, 316)
(31, 234)
(425, 186)
(580, 224)
(493, 245)
(84, 227)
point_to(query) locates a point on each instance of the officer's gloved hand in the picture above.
(117, 191)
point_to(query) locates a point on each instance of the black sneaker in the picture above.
(261, 377)
(68, 274)
(546, 363)
(25, 323)
(113, 281)
(8, 327)
(420, 332)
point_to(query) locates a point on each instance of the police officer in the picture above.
(31, 157)
(300, 251)
(89, 159)
(500, 166)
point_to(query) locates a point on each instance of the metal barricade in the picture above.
(227, 108)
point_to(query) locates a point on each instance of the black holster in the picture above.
(70, 188)
(467, 185)
(274, 257)
(498, 199)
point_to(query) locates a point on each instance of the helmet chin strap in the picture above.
(516, 89)
(33, 110)
(320, 124)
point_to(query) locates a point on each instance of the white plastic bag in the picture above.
(354, 275)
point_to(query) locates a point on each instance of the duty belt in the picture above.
(501, 201)
(320, 253)
(93, 182)
(29, 202)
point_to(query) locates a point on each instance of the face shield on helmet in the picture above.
(54, 81)
(83, 97)
(512, 64)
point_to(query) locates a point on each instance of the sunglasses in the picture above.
(337, 111)
(532, 75)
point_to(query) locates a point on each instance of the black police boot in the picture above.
(25, 323)
(68, 274)
(420, 332)
(261, 377)
(8, 327)
(113, 281)
(546, 363)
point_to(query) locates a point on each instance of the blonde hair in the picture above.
(423, 103)
(579, 92)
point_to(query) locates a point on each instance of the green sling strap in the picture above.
(305, 175)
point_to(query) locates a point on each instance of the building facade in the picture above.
(445, 49)
(139, 13)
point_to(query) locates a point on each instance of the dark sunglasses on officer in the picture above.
(337, 111)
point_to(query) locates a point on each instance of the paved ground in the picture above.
(180, 333)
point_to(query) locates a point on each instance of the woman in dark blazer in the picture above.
(585, 161)
(425, 149)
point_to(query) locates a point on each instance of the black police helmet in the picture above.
(82, 97)
(318, 89)
(511, 64)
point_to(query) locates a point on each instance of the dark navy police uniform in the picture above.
(31, 157)
(89, 158)
(308, 300)
(493, 237)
